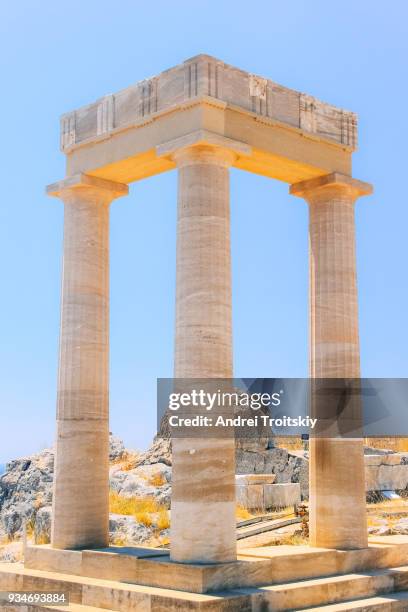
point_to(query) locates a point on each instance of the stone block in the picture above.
(392, 477)
(281, 495)
(46, 558)
(385, 472)
(391, 459)
(256, 496)
(200, 76)
(241, 495)
(252, 479)
(251, 496)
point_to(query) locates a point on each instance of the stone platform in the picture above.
(260, 492)
(263, 579)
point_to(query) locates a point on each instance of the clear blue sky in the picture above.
(56, 56)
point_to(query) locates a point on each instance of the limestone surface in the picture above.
(336, 464)
(202, 117)
(204, 76)
(203, 493)
(26, 489)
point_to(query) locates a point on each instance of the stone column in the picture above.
(81, 476)
(203, 486)
(337, 488)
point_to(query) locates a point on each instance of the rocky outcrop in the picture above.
(117, 449)
(159, 452)
(143, 481)
(126, 529)
(26, 490)
(252, 457)
(42, 524)
(11, 553)
(26, 485)
(123, 529)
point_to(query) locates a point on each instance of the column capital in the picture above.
(331, 182)
(204, 154)
(203, 147)
(85, 182)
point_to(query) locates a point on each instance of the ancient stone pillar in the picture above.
(337, 488)
(203, 483)
(81, 477)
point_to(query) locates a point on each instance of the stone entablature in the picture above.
(205, 77)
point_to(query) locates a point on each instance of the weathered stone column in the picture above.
(203, 520)
(81, 477)
(337, 488)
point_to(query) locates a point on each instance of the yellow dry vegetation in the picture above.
(132, 506)
(242, 513)
(42, 538)
(289, 442)
(144, 518)
(399, 445)
(146, 510)
(128, 461)
(163, 520)
(294, 539)
(157, 480)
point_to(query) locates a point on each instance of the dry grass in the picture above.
(242, 513)
(132, 506)
(128, 456)
(388, 503)
(38, 502)
(163, 520)
(290, 539)
(165, 541)
(386, 512)
(372, 521)
(144, 518)
(296, 539)
(157, 480)
(42, 539)
(399, 445)
(146, 510)
(128, 462)
(30, 525)
(289, 442)
(282, 512)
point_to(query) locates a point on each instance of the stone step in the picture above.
(73, 607)
(395, 602)
(55, 608)
(76, 608)
(117, 596)
(256, 566)
(304, 594)
(92, 594)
